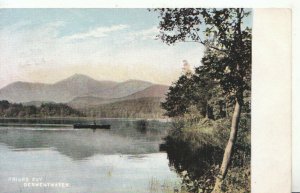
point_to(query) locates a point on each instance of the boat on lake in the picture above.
(90, 126)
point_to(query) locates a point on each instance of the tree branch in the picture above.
(203, 43)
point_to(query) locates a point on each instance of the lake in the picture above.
(37, 157)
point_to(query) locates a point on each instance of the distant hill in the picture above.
(62, 91)
(66, 90)
(147, 107)
(24, 91)
(156, 90)
(123, 89)
(132, 98)
(79, 85)
(89, 101)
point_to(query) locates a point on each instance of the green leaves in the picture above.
(198, 94)
(228, 46)
(223, 78)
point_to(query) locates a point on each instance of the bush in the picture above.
(195, 149)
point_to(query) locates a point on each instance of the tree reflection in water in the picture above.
(196, 164)
(196, 152)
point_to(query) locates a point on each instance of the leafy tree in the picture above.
(190, 90)
(18, 110)
(178, 98)
(4, 104)
(227, 58)
(205, 90)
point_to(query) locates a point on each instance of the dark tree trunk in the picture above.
(229, 147)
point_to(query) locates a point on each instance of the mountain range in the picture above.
(81, 91)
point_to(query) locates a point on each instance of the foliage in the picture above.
(195, 93)
(45, 110)
(226, 62)
(195, 151)
(181, 96)
(136, 108)
(148, 107)
(228, 45)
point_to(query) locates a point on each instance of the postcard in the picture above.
(145, 100)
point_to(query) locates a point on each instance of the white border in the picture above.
(271, 101)
(293, 4)
(296, 98)
(145, 3)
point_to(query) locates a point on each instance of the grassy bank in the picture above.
(195, 149)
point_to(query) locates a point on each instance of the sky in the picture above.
(48, 45)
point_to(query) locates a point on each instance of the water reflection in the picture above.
(197, 166)
(123, 159)
(80, 144)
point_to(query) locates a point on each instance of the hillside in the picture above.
(62, 91)
(123, 89)
(156, 90)
(89, 101)
(152, 91)
(148, 107)
(25, 92)
(132, 98)
(66, 90)
(79, 85)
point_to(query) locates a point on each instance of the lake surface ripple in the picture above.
(123, 159)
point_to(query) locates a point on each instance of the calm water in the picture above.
(123, 159)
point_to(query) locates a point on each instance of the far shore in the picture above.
(85, 118)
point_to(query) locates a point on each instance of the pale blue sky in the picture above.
(46, 45)
(79, 20)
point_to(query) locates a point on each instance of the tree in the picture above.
(190, 90)
(227, 58)
(178, 99)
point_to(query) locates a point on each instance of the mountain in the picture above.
(131, 98)
(25, 92)
(123, 89)
(62, 91)
(78, 85)
(81, 88)
(156, 90)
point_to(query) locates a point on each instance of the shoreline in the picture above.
(84, 118)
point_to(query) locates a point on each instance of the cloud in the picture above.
(144, 34)
(97, 33)
(39, 53)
